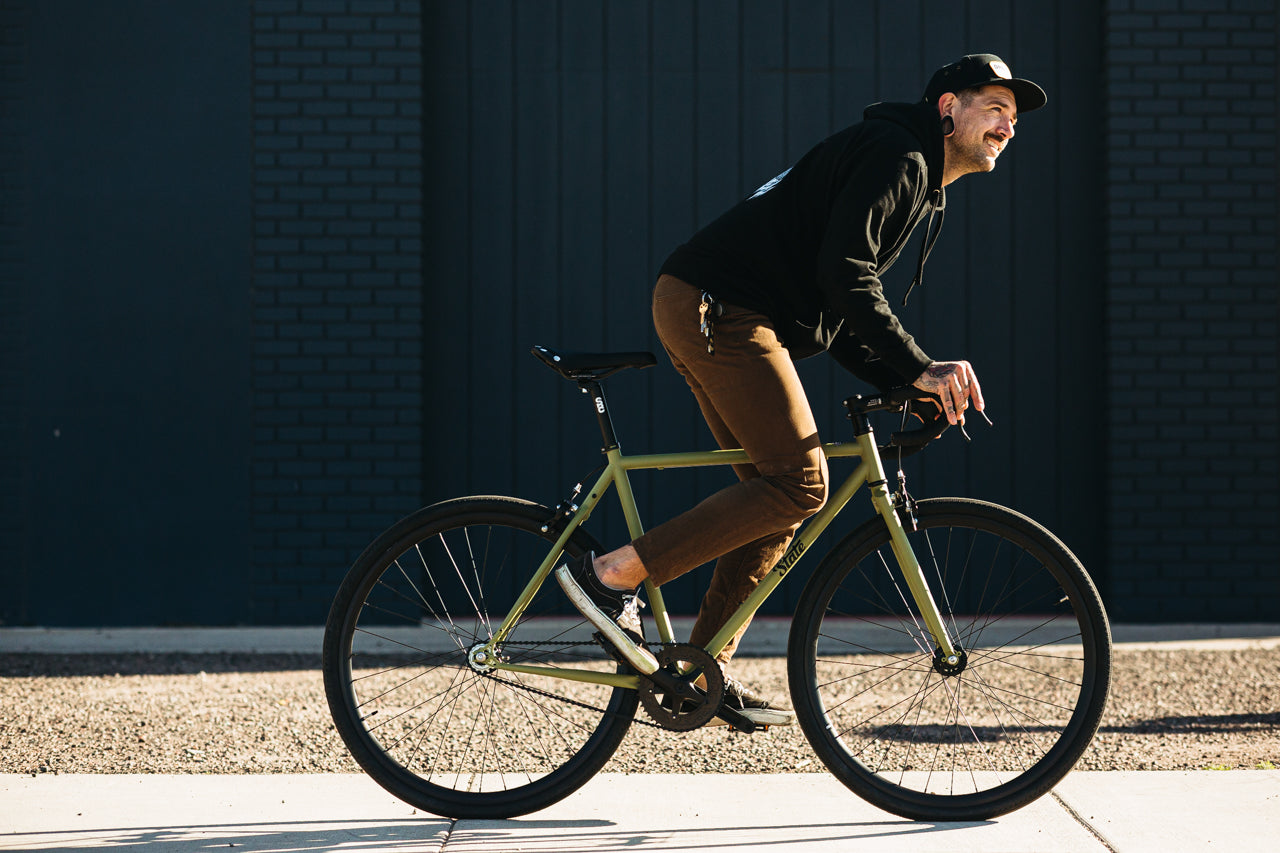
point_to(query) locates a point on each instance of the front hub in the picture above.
(950, 666)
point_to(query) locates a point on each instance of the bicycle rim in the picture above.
(932, 741)
(418, 718)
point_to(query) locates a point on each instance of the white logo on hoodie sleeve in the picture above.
(773, 183)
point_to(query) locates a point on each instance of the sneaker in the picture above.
(614, 612)
(753, 706)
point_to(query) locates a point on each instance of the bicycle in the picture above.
(949, 659)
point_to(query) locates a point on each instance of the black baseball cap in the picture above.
(984, 69)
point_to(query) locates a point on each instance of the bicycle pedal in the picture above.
(758, 728)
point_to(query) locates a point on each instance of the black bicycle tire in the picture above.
(1034, 781)
(385, 769)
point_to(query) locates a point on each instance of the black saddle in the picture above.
(578, 366)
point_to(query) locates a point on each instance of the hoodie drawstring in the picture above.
(930, 237)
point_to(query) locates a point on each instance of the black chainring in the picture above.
(675, 713)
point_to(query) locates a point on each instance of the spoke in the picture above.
(393, 641)
(481, 611)
(963, 724)
(448, 727)
(486, 711)
(418, 700)
(920, 632)
(422, 731)
(884, 605)
(469, 740)
(910, 700)
(1006, 660)
(977, 729)
(535, 731)
(939, 570)
(922, 695)
(453, 686)
(893, 673)
(548, 712)
(1033, 699)
(395, 687)
(994, 703)
(430, 577)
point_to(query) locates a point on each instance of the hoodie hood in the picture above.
(924, 123)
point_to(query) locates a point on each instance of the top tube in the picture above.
(708, 458)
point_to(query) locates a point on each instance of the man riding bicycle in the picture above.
(789, 272)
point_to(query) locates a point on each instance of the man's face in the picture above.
(984, 125)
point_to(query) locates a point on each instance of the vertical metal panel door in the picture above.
(573, 144)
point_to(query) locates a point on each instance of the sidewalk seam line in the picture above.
(1078, 818)
(448, 835)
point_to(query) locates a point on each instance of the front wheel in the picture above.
(929, 739)
(427, 721)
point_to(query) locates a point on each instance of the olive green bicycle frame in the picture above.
(870, 472)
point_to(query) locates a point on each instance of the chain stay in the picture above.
(540, 692)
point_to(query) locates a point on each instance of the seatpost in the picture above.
(596, 391)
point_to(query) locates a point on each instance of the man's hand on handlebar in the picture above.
(955, 384)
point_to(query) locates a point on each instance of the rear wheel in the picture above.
(440, 733)
(930, 739)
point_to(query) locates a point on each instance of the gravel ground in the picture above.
(1169, 710)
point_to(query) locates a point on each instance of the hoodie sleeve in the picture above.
(871, 219)
(862, 363)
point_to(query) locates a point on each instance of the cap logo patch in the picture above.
(1001, 70)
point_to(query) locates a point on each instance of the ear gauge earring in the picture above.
(948, 125)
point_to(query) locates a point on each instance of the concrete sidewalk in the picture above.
(1129, 812)
(1124, 811)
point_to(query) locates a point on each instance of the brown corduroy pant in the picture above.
(751, 396)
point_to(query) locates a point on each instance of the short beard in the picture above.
(970, 158)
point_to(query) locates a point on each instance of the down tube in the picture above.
(804, 539)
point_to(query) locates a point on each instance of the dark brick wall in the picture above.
(1191, 309)
(337, 368)
(1190, 479)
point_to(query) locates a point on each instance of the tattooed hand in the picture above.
(956, 385)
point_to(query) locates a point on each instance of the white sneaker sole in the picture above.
(762, 717)
(641, 659)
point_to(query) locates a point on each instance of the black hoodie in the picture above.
(808, 248)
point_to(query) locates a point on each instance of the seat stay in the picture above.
(588, 505)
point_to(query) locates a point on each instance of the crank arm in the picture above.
(735, 719)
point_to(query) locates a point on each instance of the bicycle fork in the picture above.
(946, 653)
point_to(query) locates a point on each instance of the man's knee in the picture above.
(803, 492)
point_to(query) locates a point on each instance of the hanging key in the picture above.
(708, 311)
